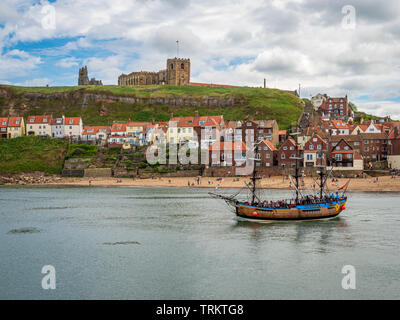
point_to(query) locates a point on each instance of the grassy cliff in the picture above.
(28, 154)
(256, 102)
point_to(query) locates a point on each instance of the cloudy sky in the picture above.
(336, 47)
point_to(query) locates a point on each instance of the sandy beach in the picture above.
(368, 184)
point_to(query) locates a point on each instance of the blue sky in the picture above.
(317, 43)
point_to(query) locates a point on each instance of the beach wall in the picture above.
(394, 162)
(98, 173)
(278, 171)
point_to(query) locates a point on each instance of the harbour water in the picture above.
(177, 243)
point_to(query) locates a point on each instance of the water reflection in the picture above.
(320, 235)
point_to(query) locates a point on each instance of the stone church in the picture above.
(177, 73)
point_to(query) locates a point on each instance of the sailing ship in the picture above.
(324, 205)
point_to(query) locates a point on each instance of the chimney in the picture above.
(152, 120)
(172, 115)
(196, 114)
(265, 83)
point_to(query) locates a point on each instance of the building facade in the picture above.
(177, 73)
(39, 125)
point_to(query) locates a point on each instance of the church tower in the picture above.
(83, 77)
(178, 72)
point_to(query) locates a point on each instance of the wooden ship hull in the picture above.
(300, 212)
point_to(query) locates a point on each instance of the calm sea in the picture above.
(167, 243)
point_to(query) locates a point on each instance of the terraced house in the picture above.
(315, 151)
(16, 127)
(3, 128)
(39, 125)
(136, 133)
(73, 127)
(286, 154)
(180, 130)
(96, 133)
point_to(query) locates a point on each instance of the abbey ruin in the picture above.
(84, 79)
(177, 73)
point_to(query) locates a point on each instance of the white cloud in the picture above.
(68, 63)
(16, 63)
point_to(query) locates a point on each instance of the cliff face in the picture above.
(83, 97)
(102, 106)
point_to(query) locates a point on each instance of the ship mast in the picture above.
(254, 178)
(297, 164)
(321, 176)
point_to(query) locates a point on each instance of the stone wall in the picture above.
(73, 173)
(394, 162)
(98, 172)
(172, 100)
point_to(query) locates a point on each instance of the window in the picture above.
(338, 148)
(284, 148)
(291, 148)
(311, 147)
(182, 66)
(338, 157)
(283, 156)
(349, 156)
(319, 147)
(172, 66)
(346, 148)
(268, 156)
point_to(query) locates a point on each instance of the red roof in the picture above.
(228, 146)
(72, 121)
(282, 132)
(14, 121)
(3, 122)
(137, 124)
(118, 127)
(337, 124)
(270, 145)
(95, 129)
(197, 84)
(39, 119)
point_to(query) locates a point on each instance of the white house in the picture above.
(57, 127)
(73, 127)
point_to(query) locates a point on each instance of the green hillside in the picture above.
(256, 102)
(28, 154)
